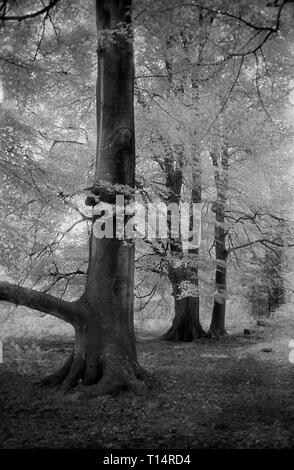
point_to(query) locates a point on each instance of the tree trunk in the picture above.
(217, 325)
(105, 349)
(105, 341)
(105, 353)
(186, 324)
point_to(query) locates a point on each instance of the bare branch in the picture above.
(228, 96)
(262, 241)
(27, 16)
(257, 77)
(73, 206)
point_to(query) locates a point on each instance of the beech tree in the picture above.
(105, 353)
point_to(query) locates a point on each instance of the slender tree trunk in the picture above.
(105, 354)
(217, 326)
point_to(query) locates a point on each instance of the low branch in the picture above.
(40, 301)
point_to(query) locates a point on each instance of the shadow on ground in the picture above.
(209, 394)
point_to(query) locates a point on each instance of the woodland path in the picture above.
(210, 394)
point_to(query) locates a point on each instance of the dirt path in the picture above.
(210, 394)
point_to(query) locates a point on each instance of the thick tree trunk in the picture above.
(105, 342)
(105, 351)
(217, 325)
(104, 357)
(186, 324)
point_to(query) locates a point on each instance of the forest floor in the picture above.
(234, 393)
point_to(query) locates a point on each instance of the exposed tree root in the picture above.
(75, 374)
(113, 374)
(143, 375)
(93, 372)
(118, 375)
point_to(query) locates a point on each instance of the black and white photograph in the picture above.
(146, 228)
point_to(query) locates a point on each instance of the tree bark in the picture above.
(105, 352)
(108, 336)
(217, 325)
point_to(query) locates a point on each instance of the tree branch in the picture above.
(50, 5)
(262, 241)
(40, 301)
